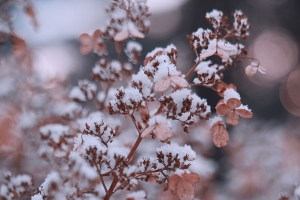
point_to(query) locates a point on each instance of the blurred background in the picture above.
(261, 160)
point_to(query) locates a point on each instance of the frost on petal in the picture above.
(181, 82)
(215, 120)
(250, 70)
(120, 36)
(232, 118)
(261, 70)
(207, 53)
(163, 132)
(162, 84)
(231, 93)
(244, 112)
(185, 190)
(147, 131)
(192, 177)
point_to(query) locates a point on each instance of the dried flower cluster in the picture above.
(93, 153)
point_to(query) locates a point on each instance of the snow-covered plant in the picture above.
(98, 151)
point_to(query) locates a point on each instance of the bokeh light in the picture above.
(277, 52)
(290, 93)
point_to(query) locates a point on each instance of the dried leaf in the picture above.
(232, 118)
(162, 84)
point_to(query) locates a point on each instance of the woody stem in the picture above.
(192, 70)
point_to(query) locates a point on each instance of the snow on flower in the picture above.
(143, 83)
(230, 93)
(125, 100)
(164, 83)
(208, 74)
(85, 91)
(233, 108)
(223, 49)
(184, 153)
(215, 17)
(184, 106)
(129, 30)
(55, 131)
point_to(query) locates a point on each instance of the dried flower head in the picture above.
(181, 184)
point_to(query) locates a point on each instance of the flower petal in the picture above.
(232, 118)
(120, 36)
(207, 53)
(85, 49)
(185, 190)
(85, 38)
(223, 109)
(147, 131)
(222, 53)
(172, 184)
(162, 132)
(250, 70)
(221, 137)
(181, 82)
(233, 103)
(162, 84)
(97, 34)
(261, 70)
(86, 43)
(244, 113)
(136, 33)
(192, 177)
(219, 126)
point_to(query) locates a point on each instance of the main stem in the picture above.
(134, 148)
